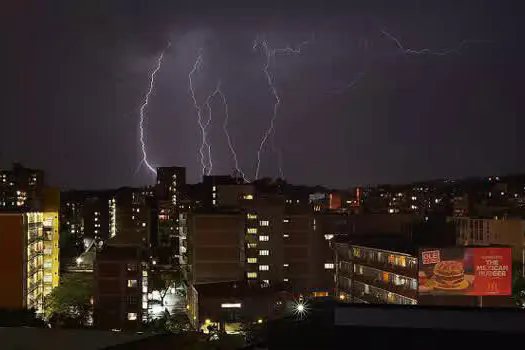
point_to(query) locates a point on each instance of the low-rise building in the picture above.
(373, 275)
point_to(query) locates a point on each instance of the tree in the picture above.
(518, 285)
(163, 281)
(70, 302)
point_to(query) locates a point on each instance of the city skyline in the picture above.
(358, 106)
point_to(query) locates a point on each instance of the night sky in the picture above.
(74, 75)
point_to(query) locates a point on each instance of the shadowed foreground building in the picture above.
(120, 288)
(213, 244)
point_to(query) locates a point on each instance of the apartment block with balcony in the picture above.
(371, 275)
(28, 258)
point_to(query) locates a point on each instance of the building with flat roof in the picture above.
(372, 275)
(213, 246)
(28, 258)
(120, 293)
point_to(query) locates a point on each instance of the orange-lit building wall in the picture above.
(335, 201)
(11, 261)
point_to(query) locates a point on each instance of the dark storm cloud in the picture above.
(77, 71)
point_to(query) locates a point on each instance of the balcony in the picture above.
(400, 270)
(387, 286)
(369, 298)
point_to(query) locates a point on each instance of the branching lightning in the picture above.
(424, 51)
(143, 108)
(218, 91)
(408, 51)
(206, 168)
(270, 54)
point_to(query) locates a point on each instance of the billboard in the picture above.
(465, 271)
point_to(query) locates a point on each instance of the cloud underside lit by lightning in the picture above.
(270, 54)
(143, 108)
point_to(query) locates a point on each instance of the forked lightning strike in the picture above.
(143, 108)
(218, 91)
(270, 55)
(408, 51)
(206, 168)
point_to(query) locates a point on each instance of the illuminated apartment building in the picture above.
(287, 245)
(129, 212)
(28, 258)
(171, 196)
(370, 275)
(21, 188)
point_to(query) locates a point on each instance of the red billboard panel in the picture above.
(465, 271)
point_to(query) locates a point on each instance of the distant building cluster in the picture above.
(223, 251)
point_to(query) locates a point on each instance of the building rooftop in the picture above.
(232, 289)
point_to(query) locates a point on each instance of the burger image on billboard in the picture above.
(449, 275)
(465, 270)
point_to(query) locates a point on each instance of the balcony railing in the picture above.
(400, 270)
(369, 298)
(387, 286)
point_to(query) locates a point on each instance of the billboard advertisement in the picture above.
(465, 271)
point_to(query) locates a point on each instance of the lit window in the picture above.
(264, 267)
(132, 283)
(248, 196)
(132, 316)
(96, 219)
(214, 188)
(266, 283)
(328, 237)
(286, 235)
(251, 216)
(264, 252)
(252, 245)
(264, 223)
(252, 260)
(231, 305)
(286, 265)
(286, 221)
(214, 195)
(143, 224)
(214, 202)
(251, 274)
(264, 238)
(329, 266)
(285, 279)
(252, 230)
(138, 210)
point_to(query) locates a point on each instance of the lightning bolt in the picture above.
(270, 54)
(221, 94)
(206, 169)
(425, 51)
(143, 108)
(409, 51)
